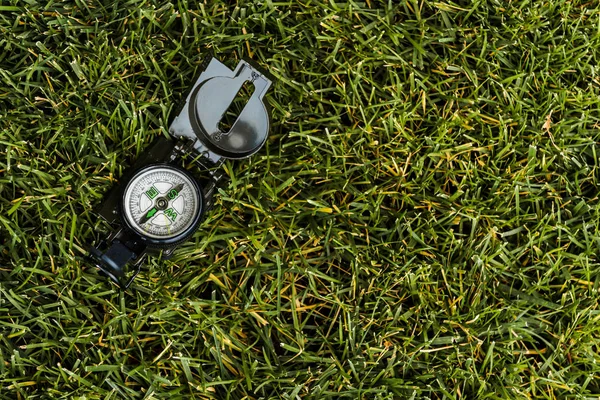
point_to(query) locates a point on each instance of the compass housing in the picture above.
(175, 214)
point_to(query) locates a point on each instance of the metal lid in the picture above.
(211, 98)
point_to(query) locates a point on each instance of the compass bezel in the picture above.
(163, 242)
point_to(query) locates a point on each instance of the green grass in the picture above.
(424, 221)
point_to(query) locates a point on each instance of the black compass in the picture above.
(158, 203)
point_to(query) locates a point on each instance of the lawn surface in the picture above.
(424, 221)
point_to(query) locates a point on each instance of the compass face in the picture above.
(162, 202)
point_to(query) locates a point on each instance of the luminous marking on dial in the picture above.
(152, 192)
(170, 211)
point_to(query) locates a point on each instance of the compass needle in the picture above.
(148, 215)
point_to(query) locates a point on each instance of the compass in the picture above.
(163, 204)
(158, 204)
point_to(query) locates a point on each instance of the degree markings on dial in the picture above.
(169, 225)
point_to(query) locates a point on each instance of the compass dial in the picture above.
(163, 203)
